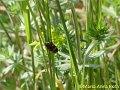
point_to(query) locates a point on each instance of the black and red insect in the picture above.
(51, 47)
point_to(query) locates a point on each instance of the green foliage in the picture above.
(100, 32)
(86, 33)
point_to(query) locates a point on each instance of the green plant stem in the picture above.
(26, 15)
(48, 21)
(77, 32)
(40, 39)
(6, 31)
(83, 75)
(72, 56)
(33, 67)
(52, 68)
(19, 45)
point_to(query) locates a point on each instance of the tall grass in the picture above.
(85, 58)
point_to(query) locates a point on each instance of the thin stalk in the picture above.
(42, 16)
(117, 72)
(33, 67)
(6, 31)
(53, 71)
(86, 54)
(50, 55)
(51, 75)
(77, 32)
(77, 39)
(42, 8)
(72, 56)
(99, 23)
(83, 73)
(48, 21)
(18, 41)
(117, 76)
(26, 15)
(36, 24)
(40, 39)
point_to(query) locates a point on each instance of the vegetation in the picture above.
(59, 44)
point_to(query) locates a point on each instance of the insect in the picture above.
(50, 46)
